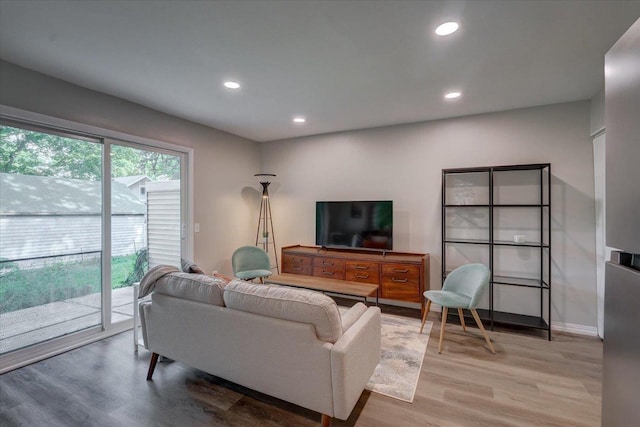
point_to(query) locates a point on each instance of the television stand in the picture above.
(401, 276)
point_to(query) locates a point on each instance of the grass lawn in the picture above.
(28, 288)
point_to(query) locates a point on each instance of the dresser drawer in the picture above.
(296, 264)
(401, 282)
(363, 272)
(332, 268)
(328, 262)
(329, 272)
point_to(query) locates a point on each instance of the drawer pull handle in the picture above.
(326, 263)
(400, 270)
(399, 280)
(328, 273)
(361, 267)
(296, 268)
(362, 276)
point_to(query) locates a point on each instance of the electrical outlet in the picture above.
(196, 227)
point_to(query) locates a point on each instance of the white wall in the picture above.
(404, 163)
(224, 163)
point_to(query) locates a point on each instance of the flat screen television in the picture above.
(355, 224)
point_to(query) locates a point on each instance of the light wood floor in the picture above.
(529, 382)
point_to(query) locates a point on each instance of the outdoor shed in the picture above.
(39, 218)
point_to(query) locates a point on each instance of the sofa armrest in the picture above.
(352, 315)
(354, 357)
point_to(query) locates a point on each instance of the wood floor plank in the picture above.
(529, 382)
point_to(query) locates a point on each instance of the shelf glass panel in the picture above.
(468, 224)
(516, 187)
(519, 281)
(519, 320)
(468, 241)
(460, 254)
(500, 317)
(526, 244)
(469, 188)
(466, 206)
(536, 206)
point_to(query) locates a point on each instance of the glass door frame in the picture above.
(186, 242)
(108, 137)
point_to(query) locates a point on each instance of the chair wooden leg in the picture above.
(152, 365)
(325, 421)
(461, 315)
(479, 322)
(424, 316)
(444, 322)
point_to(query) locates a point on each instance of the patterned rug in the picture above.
(403, 350)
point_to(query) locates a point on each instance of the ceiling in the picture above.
(341, 64)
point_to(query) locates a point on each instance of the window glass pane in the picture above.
(145, 219)
(50, 235)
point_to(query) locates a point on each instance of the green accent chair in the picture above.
(462, 289)
(250, 262)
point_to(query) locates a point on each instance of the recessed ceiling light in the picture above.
(232, 85)
(447, 28)
(453, 95)
(299, 119)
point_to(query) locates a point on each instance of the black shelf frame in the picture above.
(543, 245)
(502, 318)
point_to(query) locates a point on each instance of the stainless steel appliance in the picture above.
(621, 370)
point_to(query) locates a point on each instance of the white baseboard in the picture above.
(573, 328)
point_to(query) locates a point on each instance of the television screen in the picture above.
(356, 224)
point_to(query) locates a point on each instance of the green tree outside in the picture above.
(28, 152)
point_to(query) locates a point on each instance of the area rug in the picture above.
(403, 349)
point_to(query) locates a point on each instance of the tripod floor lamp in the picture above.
(264, 234)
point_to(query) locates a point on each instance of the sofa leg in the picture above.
(325, 421)
(152, 365)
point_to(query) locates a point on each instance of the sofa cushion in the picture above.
(298, 305)
(352, 315)
(194, 287)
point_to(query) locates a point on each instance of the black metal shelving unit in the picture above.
(541, 280)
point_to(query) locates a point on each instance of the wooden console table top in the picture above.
(356, 254)
(324, 284)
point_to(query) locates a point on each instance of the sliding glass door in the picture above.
(50, 235)
(81, 219)
(146, 218)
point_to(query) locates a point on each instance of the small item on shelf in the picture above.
(518, 238)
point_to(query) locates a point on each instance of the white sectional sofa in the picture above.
(292, 344)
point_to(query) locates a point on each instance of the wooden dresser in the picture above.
(401, 276)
